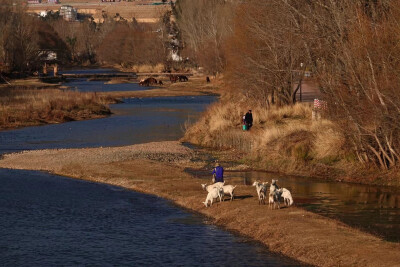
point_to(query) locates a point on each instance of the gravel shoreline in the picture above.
(158, 168)
(55, 159)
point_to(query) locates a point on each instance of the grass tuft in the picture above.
(24, 107)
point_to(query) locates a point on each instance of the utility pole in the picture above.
(301, 81)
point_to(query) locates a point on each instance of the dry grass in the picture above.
(148, 68)
(25, 107)
(194, 87)
(282, 139)
(328, 142)
(223, 118)
(292, 231)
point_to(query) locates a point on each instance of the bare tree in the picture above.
(358, 73)
(205, 25)
(266, 52)
(353, 49)
(19, 37)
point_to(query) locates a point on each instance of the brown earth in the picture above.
(158, 169)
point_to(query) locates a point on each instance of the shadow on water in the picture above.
(375, 209)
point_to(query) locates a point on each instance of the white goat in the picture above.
(261, 189)
(287, 196)
(212, 194)
(211, 186)
(274, 195)
(273, 187)
(229, 189)
(270, 199)
(208, 188)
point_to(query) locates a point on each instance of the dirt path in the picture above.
(157, 168)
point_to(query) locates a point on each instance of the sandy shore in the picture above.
(157, 168)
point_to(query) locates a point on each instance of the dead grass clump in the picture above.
(24, 107)
(329, 141)
(299, 111)
(148, 68)
(274, 133)
(233, 138)
(297, 145)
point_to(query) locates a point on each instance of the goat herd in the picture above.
(172, 78)
(219, 190)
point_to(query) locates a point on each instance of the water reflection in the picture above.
(375, 209)
(85, 85)
(134, 121)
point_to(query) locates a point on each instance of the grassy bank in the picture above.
(284, 140)
(26, 107)
(157, 168)
(30, 102)
(196, 86)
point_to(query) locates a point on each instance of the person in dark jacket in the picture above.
(218, 173)
(249, 119)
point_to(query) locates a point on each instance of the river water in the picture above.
(134, 121)
(47, 220)
(374, 209)
(83, 85)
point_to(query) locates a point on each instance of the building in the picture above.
(47, 55)
(68, 13)
(53, 1)
(34, 1)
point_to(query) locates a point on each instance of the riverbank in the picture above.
(21, 107)
(284, 140)
(196, 86)
(158, 169)
(30, 102)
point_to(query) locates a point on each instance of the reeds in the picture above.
(278, 134)
(148, 68)
(24, 107)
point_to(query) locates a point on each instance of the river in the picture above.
(48, 220)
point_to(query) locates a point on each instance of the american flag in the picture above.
(320, 104)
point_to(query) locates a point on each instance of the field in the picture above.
(142, 11)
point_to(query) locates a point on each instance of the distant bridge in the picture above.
(131, 75)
